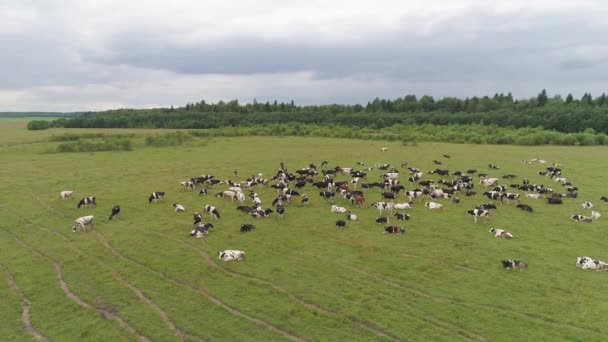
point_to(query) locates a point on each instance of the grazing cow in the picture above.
(524, 207)
(587, 263)
(156, 196)
(401, 206)
(486, 206)
(471, 171)
(115, 212)
(202, 192)
(227, 194)
(394, 230)
(187, 184)
(414, 194)
(305, 200)
(515, 264)
(484, 214)
(396, 188)
(261, 213)
(230, 255)
(82, 223)
(383, 149)
(327, 194)
(179, 208)
(587, 205)
(533, 196)
(336, 209)
(350, 217)
(197, 218)
(511, 197)
(86, 201)
(433, 205)
(494, 195)
(247, 227)
(281, 198)
(280, 211)
(486, 182)
(554, 200)
(212, 211)
(382, 220)
(340, 224)
(402, 217)
(382, 206)
(501, 233)
(65, 194)
(358, 200)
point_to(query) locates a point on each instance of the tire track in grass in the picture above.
(25, 307)
(533, 317)
(437, 261)
(147, 301)
(202, 292)
(211, 298)
(103, 312)
(314, 307)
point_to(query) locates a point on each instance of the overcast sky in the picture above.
(72, 55)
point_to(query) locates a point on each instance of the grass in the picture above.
(303, 278)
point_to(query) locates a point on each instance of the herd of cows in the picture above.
(430, 191)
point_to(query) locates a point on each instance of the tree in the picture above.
(542, 98)
(569, 99)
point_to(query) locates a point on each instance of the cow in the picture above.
(587, 263)
(437, 162)
(280, 211)
(358, 200)
(83, 222)
(350, 217)
(156, 196)
(336, 209)
(197, 218)
(486, 206)
(492, 166)
(512, 197)
(212, 211)
(227, 194)
(484, 214)
(533, 196)
(388, 195)
(247, 227)
(203, 192)
(501, 233)
(402, 217)
(587, 205)
(433, 205)
(65, 194)
(515, 264)
(581, 218)
(382, 206)
(524, 207)
(327, 194)
(115, 212)
(471, 171)
(604, 199)
(401, 206)
(86, 201)
(394, 230)
(396, 188)
(231, 255)
(340, 224)
(383, 149)
(509, 176)
(261, 213)
(305, 200)
(179, 208)
(494, 195)
(201, 229)
(446, 156)
(382, 220)
(554, 200)
(595, 215)
(486, 182)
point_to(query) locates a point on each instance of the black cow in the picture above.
(388, 195)
(86, 201)
(156, 196)
(509, 176)
(244, 209)
(402, 217)
(327, 194)
(396, 188)
(486, 206)
(115, 212)
(554, 200)
(524, 207)
(382, 220)
(604, 199)
(247, 227)
(340, 223)
(280, 211)
(394, 230)
(471, 171)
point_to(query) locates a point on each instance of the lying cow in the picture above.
(247, 227)
(230, 255)
(433, 205)
(201, 230)
(516, 264)
(581, 218)
(394, 230)
(587, 263)
(82, 223)
(501, 233)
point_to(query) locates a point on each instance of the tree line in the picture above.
(552, 113)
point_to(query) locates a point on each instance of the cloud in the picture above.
(98, 54)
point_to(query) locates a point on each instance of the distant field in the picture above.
(143, 276)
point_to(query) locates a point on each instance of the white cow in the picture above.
(402, 206)
(486, 182)
(179, 208)
(588, 263)
(501, 233)
(383, 149)
(230, 255)
(433, 205)
(533, 196)
(82, 223)
(66, 194)
(336, 209)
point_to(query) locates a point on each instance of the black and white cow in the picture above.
(280, 211)
(382, 220)
(402, 217)
(394, 230)
(340, 224)
(203, 192)
(179, 208)
(515, 264)
(115, 212)
(305, 200)
(525, 208)
(83, 222)
(212, 211)
(581, 218)
(501, 233)
(247, 227)
(156, 196)
(86, 201)
(587, 205)
(494, 195)
(492, 166)
(484, 214)
(604, 199)
(262, 213)
(554, 200)
(201, 229)
(433, 205)
(327, 194)
(198, 218)
(231, 255)
(587, 263)
(350, 217)
(337, 209)
(512, 197)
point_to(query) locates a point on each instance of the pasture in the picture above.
(143, 277)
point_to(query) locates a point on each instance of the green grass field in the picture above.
(143, 277)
